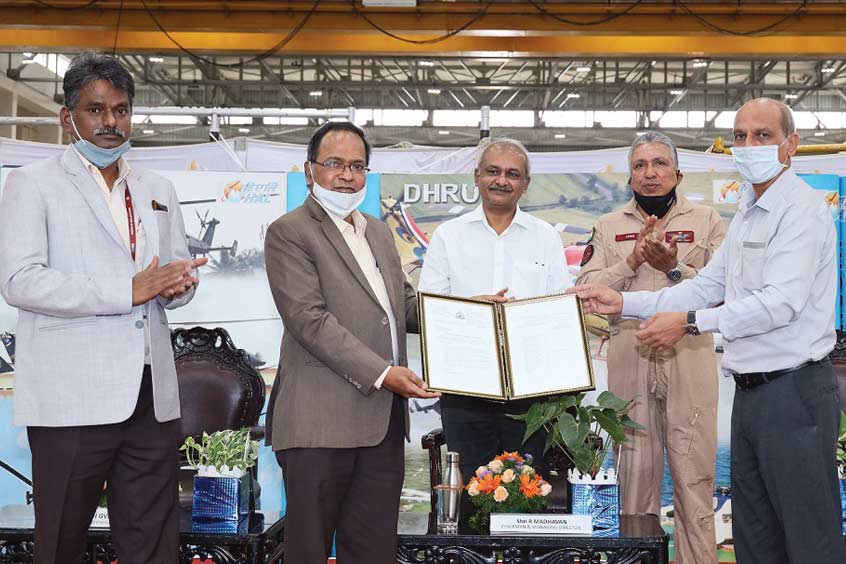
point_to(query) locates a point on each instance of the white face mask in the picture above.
(342, 204)
(758, 164)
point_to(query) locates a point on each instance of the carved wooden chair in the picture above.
(218, 389)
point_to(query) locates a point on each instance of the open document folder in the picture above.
(518, 349)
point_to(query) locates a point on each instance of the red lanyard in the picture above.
(130, 218)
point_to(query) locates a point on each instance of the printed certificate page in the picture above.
(460, 352)
(547, 346)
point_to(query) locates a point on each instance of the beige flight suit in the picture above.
(676, 389)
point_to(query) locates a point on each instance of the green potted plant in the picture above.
(573, 429)
(225, 453)
(223, 486)
(580, 432)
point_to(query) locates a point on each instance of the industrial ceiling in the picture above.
(647, 57)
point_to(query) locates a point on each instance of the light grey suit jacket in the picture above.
(80, 341)
(337, 339)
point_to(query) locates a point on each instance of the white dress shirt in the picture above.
(776, 271)
(354, 237)
(467, 258)
(116, 202)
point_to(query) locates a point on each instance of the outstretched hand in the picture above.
(597, 298)
(404, 382)
(663, 330)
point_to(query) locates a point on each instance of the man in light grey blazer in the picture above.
(338, 409)
(82, 238)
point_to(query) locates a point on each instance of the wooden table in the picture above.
(260, 543)
(641, 539)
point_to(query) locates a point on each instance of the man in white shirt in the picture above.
(496, 251)
(770, 290)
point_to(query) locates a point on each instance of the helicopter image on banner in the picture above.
(202, 244)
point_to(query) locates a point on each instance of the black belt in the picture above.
(750, 380)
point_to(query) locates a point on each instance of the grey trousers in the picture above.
(785, 491)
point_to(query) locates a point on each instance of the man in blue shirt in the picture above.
(770, 290)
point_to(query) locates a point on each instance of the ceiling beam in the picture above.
(247, 28)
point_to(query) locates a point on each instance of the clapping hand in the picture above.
(168, 281)
(660, 256)
(647, 232)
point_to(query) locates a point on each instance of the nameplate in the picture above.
(540, 524)
(101, 518)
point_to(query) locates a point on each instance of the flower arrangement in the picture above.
(507, 484)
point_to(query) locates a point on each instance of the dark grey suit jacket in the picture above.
(337, 339)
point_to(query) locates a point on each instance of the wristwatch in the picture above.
(690, 327)
(675, 273)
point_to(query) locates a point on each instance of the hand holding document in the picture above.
(517, 349)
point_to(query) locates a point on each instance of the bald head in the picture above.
(770, 110)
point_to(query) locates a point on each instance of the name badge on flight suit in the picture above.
(681, 236)
(625, 237)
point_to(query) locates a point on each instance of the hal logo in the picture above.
(237, 192)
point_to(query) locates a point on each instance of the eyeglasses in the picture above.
(338, 167)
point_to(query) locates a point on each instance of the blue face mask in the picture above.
(98, 156)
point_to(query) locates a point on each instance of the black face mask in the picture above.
(656, 205)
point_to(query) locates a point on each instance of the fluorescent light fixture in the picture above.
(583, 69)
(677, 92)
(426, 63)
(243, 130)
(819, 133)
(791, 96)
(27, 55)
(824, 69)
(434, 91)
(443, 132)
(316, 93)
(700, 64)
(639, 133)
(156, 59)
(560, 135)
(27, 61)
(573, 95)
(149, 131)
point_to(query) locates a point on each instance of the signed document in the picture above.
(519, 349)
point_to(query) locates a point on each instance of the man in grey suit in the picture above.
(338, 410)
(82, 237)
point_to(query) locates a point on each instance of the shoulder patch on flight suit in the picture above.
(681, 236)
(592, 235)
(625, 237)
(587, 255)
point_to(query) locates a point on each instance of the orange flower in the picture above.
(529, 487)
(489, 483)
(513, 456)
